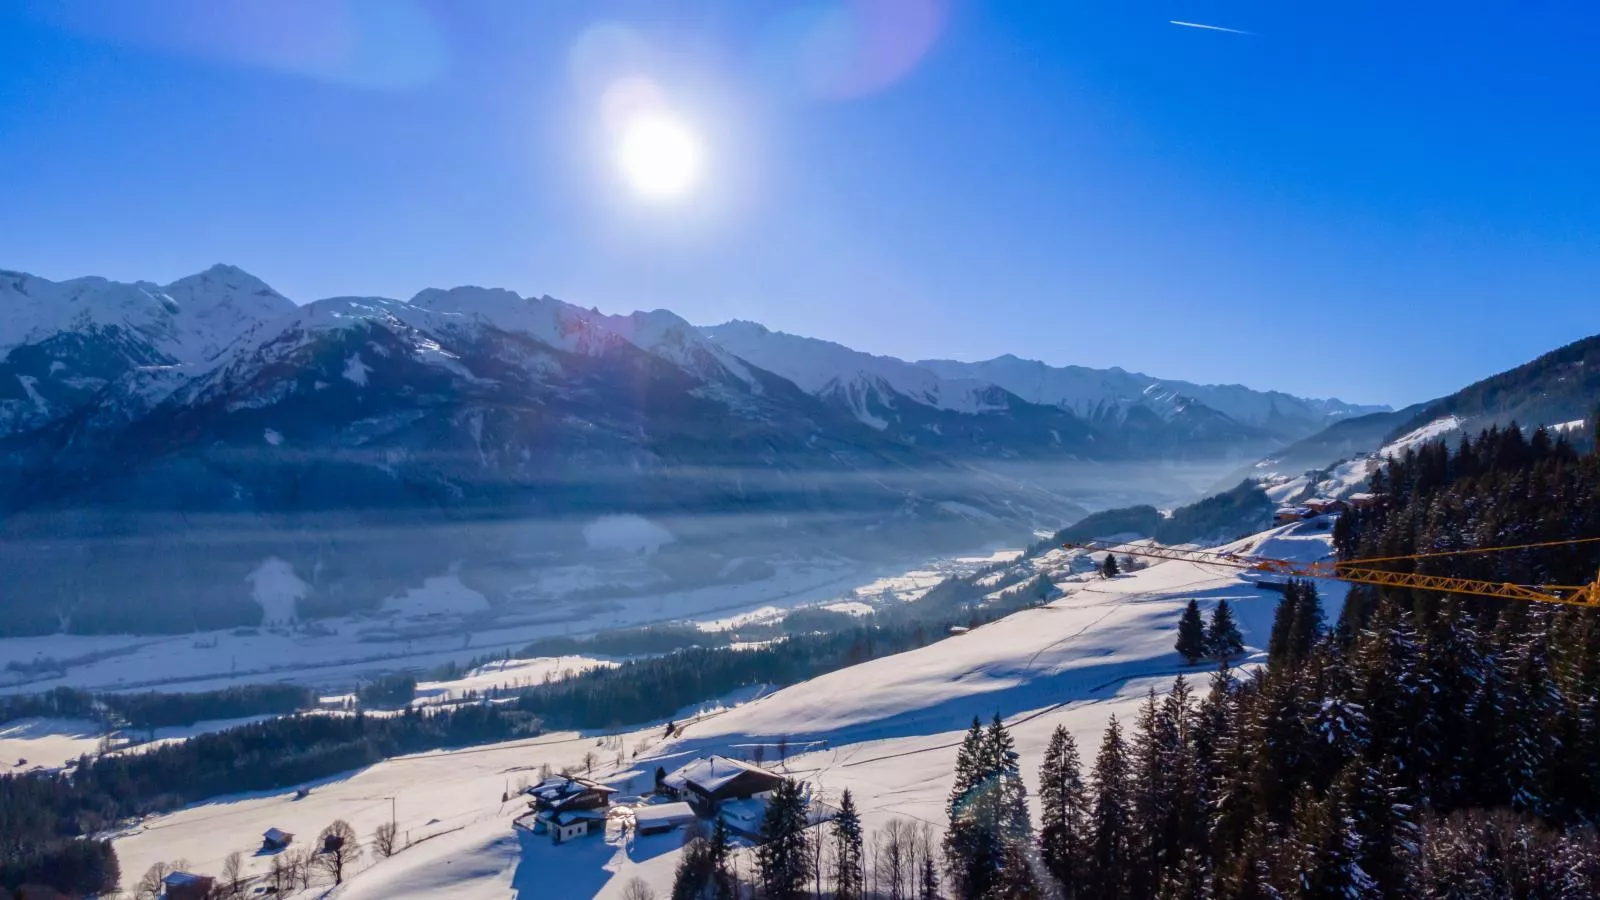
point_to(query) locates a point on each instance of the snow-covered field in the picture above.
(886, 729)
(52, 743)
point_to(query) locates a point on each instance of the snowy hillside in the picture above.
(886, 729)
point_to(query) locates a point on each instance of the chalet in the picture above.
(1291, 514)
(711, 781)
(567, 807)
(274, 841)
(1323, 506)
(1361, 501)
(661, 817)
(186, 886)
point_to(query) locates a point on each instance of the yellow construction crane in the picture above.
(1364, 571)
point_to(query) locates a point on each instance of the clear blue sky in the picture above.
(1379, 201)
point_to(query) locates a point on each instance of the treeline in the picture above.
(158, 710)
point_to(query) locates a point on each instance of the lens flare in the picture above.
(659, 155)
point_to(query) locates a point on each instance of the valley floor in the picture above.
(339, 653)
(887, 730)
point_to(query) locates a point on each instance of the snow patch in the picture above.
(272, 437)
(356, 369)
(277, 589)
(1431, 431)
(629, 533)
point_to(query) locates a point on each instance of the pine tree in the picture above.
(1005, 773)
(720, 850)
(1017, 878)
(1156, 758)
(1309, 622)
(1330, 849)
(848, 883)
(1278, 641)
(696, 868)
(930, 879)
(1109, 568)
(1112, 817)
(1063, 814)
(1223, 640)
(1191, 643)
(972, 843)
(784, 858)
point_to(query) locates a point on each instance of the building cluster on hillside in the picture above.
(711, 787)
(1322, 506)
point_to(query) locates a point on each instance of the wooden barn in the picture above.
(708, 782)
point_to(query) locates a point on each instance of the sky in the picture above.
(1377, 201)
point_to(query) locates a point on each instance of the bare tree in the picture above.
(149, 886)
(298, 867)
(279, 876)
(636, 889)
(897, 842)
(383, 839)
(783, 749)
(544, 771)
(758, 754)
(339, 848)
(589, 759)
(232, 874)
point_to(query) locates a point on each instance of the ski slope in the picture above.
(886, 729)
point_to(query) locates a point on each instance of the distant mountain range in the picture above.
(171, 454)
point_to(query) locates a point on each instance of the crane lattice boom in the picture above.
(1362, 571)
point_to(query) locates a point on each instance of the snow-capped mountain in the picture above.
(1097, 394)
(1089, 413)
(64, 343)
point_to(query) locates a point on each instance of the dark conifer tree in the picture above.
(972, 843)
(784, 857)
(1109, 568)
(848, 882)
(1064, 835)
(1223, 640)
(1011, 794)
(1191, 643)
(1112, 822)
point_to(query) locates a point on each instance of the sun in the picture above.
(660, 155)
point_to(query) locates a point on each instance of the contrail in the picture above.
(1210, 27)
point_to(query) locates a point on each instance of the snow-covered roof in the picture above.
(662, 814)
(711, 773)
(276, 836)
(553, 793)
(568, 816)
(182, 879)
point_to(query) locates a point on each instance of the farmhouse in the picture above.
(1291, 514)
(662, 817)
(1323, 506)
(711, 781)
(186, 886)
(567, 807)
